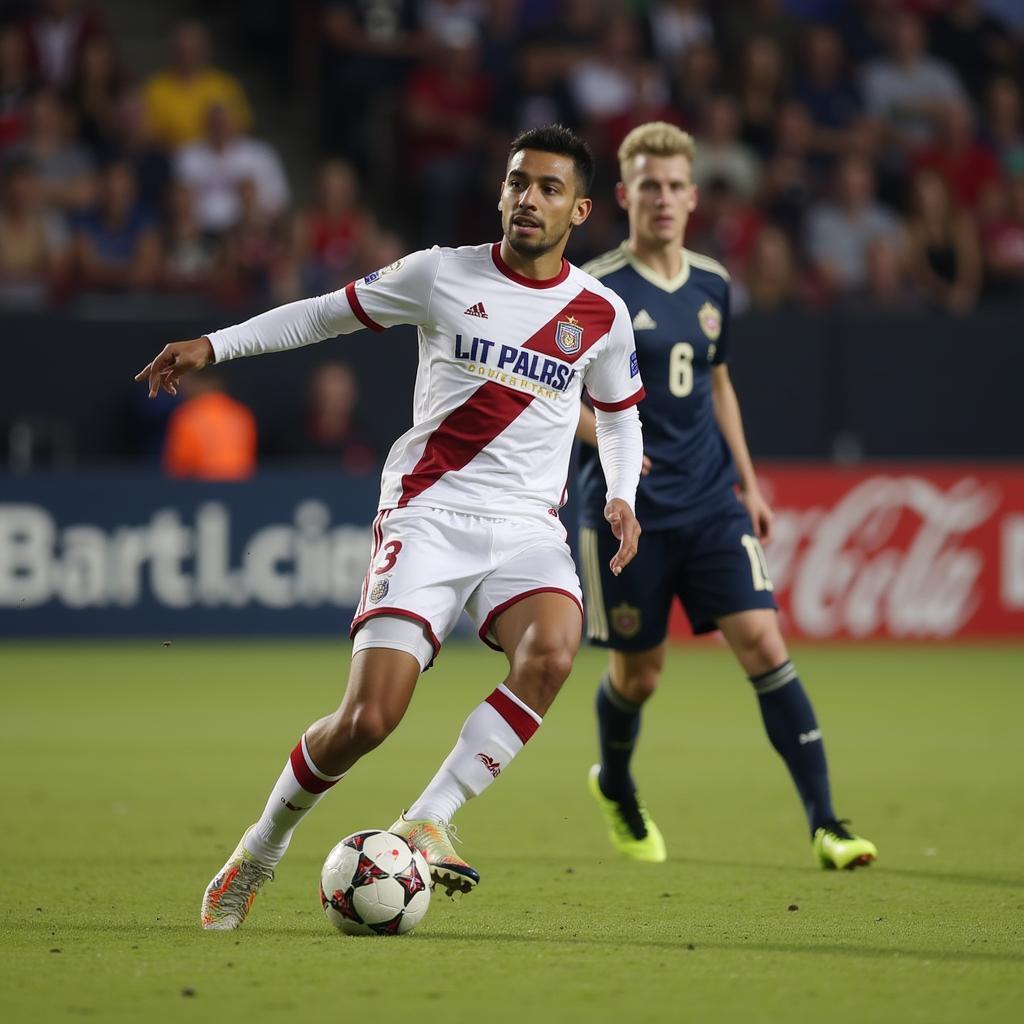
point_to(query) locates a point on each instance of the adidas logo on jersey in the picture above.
(476, 310)
(643, 321)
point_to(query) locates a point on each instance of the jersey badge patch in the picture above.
(634, 364)
(379, 591)
(626, 620)
(569, 336)
(710, 320)
(390, 268)
(643, 321)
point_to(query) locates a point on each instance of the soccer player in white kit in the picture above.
(509, 335)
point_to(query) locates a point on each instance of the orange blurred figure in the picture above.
(211, 436)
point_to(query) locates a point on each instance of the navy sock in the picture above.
(793, 730)
(618, 725)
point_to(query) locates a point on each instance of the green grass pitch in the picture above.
(131, 769)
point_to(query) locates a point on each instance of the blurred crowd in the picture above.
(848, 151)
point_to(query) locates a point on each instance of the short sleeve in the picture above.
(399, 293)
(613, 379)
(722, 344)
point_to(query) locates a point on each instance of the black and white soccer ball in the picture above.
(375, 883)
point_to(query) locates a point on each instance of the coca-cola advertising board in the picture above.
(902, 553)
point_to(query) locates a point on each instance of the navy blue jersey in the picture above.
(682, 330)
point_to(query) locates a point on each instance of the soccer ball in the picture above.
(375, 883)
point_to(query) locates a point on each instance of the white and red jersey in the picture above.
(503, 360)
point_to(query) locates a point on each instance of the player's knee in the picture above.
(542, 673)
(365, 727)
(639, 684)
(762, 650)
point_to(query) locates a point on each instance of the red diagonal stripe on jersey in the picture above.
(593, 313)
(463, 434)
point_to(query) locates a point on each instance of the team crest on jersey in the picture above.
(626, 620)
(569, 336)
(390, 268)
(379, 591)
(710, 320)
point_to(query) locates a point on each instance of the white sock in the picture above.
(298, 790)
(492, 735)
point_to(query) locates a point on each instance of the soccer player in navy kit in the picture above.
(703, 514)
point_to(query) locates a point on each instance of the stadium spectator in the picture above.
(331, 433)
(96, 86)
(762, 88)
(192, 259)
(967, 165)
(257, 267)
(841, 231)
(66, 169)
(1003, 239)
(117, 244)
(742, 22)
(33, 239)
(887, 285)
(1004, 124)
(216, 165)
(446, 107)
(725, 226)
(771, 282)
(907, 89)
(674, 27)
(15, 85)
(973, 43)
(56, 35)
(943, 247)
(330, 236)
(789, 184)
(698, 81)
(178, 98)
(831, 96)
(536, 95)
(651, 102)
(720, 153)
(603, 83)
(360, 47)
(131, 143)
(210, 436)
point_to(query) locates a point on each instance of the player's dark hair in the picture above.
(556, 138)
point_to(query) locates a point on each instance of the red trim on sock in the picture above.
(523, 724)
(307, 780)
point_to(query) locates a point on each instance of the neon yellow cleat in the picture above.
(836, 847)
(229, 897)
(634, 835)
(434, 841)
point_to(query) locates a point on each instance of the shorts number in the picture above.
(758, 566)
(391, 548)
(680, 369)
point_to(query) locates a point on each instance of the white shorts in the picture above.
(428, 565)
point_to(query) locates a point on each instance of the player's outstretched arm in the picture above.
(174, 361)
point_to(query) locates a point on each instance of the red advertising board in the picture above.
(914, 552)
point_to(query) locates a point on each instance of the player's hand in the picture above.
(173, 362)
(627, 533)
(761, 514)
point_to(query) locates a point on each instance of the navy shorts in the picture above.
(715, 568)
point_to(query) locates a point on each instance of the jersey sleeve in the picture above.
(397, 294)
(613, 379)
(722, 351)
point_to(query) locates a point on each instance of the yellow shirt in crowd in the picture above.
(176, 107)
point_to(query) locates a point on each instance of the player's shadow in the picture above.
(680, 945)
(922, 874)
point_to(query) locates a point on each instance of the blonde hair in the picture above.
(655, 138)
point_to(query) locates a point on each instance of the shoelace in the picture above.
(837, 828)
(251, 875)
(631, 819)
